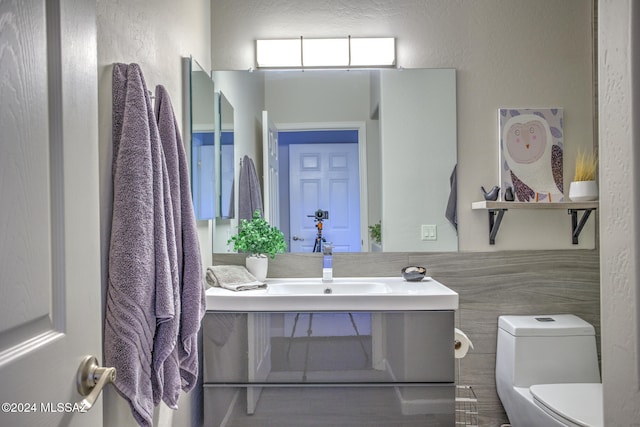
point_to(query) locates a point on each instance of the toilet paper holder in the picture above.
(461, 344)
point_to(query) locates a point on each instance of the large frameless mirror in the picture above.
(390, 133)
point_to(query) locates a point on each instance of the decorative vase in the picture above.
(583, 191)
(258, 266)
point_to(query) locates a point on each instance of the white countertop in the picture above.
(399, 295)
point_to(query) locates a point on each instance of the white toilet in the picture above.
(547, 371)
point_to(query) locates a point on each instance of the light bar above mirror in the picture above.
(348, 52)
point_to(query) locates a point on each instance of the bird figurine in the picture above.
(491, 194)
(533, 160)
(508, 195)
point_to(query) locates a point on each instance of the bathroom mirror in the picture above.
(227, 164)
(403, 123)
(203, 156)
(212, 147)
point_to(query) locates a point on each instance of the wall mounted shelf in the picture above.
(497, 209)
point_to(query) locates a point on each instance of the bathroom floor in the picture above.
(330, 406)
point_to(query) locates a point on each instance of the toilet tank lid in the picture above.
(545, 325)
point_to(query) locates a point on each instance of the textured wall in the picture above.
(619, 160)
(519, 53)
(489, 284)
(155, 35)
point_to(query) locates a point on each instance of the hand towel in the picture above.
(191, 287)
(139, 290)
(232, 277)
(249, 193)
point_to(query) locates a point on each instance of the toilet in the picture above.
(547, 371)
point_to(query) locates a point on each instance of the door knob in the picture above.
(297, 238)
(91, 379)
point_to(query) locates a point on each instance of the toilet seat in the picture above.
(575, 404)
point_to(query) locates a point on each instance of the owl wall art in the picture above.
(531, 148)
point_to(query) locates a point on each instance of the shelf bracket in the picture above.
(494, 223)
(576, 226)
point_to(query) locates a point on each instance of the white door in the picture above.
(325, 177)
(271, 196)
(49, 220)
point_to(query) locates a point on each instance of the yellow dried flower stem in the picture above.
(586, 166)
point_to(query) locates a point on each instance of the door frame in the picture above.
(361, 127)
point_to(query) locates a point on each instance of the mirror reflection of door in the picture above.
(323, 174)
(271, 170)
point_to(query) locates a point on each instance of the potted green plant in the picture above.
(376, 234)
(259, 240)
(584, 186)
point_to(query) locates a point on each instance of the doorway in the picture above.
(322, 167)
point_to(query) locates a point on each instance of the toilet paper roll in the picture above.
(461, 344)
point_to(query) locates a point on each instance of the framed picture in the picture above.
(531, 147)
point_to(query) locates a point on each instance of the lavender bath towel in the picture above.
(191, 286)
(249, 193)
(141, 278)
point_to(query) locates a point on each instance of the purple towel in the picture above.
(192, 293)
(140, 294)
(249, 193)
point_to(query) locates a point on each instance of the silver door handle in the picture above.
(297, 238)
(91, 379)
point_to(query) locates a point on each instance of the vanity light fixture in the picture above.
(346, 52)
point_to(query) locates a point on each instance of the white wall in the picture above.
(155, 35)
(315, 97)
(519, 53)
(620, 196)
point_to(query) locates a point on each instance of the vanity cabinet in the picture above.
(329, 368)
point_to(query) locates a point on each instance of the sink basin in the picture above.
(335, 287)
(342, 294)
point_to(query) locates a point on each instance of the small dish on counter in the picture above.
(413, 273)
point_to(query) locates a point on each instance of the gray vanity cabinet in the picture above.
(290, 369)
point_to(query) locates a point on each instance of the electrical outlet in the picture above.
(429, 232)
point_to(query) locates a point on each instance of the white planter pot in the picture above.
(258, 266)
(583, 191)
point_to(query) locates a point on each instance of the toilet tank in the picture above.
(546, 349)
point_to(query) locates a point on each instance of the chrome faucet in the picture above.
(327, 262)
